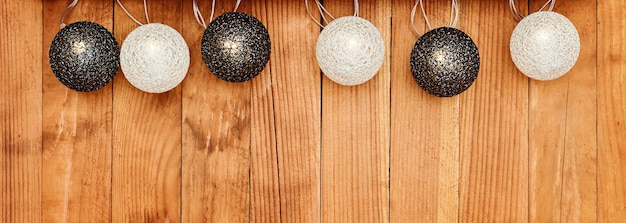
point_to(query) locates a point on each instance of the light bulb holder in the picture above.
(84, 56)
(350, 50)
(154, 58)
(236, 47)
(445, 62)
(545, 45)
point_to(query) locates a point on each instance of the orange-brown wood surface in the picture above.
(21, 61)
(611, 100)
(494, 126)
(287, 109)
(77, 133)
(216, 143)
(355, 134)
(146, 169)
(425, 131)
(293, 146)
(562, 131)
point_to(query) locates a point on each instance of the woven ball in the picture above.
(350, 50)
(154, 58)
(84, 56)
(236, 47)
(445, 62)
(545, 45)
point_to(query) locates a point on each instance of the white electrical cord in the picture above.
(66, 11)
(324, 12)
(518, 16)
(454, 15)
(145, 8)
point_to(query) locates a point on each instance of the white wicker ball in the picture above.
(350, 50)
(545, 45)
(154, 58)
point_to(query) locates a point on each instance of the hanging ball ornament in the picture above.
(154, 58)
(350, 50)
(84, 56)
(445, 62)
(236, 47)
(545, 45)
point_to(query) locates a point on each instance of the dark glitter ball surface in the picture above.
(445, 62)
(236, 47)
(84, 56)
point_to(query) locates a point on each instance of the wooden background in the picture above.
(292, 146)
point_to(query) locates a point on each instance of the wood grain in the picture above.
(494, 127)
(292, 146)
(424, 130)
(296, 93)
(20, 110)
(355, 134)
(264, 182)
(77, 132)
(562, 131)
(146, 161)
(611, 67)
(216, 134)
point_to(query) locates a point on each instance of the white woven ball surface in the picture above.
(545, 45)
(350, 50)
(154, 58)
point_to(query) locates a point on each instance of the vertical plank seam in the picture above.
(280, 211)
(459, 176)
(181, 117)
(250, 124)
(563, 154)
(43, 3)
(458, 152)
(112, 121)
(528, 170)
(321, 140)
(597, 122)
(460, 145)
(390, 67)
(250, 105)
(459, 166)
(270, 72)
(182, 121)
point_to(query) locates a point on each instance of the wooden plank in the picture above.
(494, 127)
(470, 23)
(20, 111)
(425, 131)
(296, 94)
(611, 111)
(264, 184)
(77, 132)
(216, 134)
(355, 133)
(562, 131)
(146, 134)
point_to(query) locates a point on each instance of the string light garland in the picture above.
(84, 56)
(444, 61)
(350, 50)
(154, 57)
(235, 46)
(545, 45)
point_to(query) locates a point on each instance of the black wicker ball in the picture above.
(236, 47)
(84, 56)
(445, 62)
